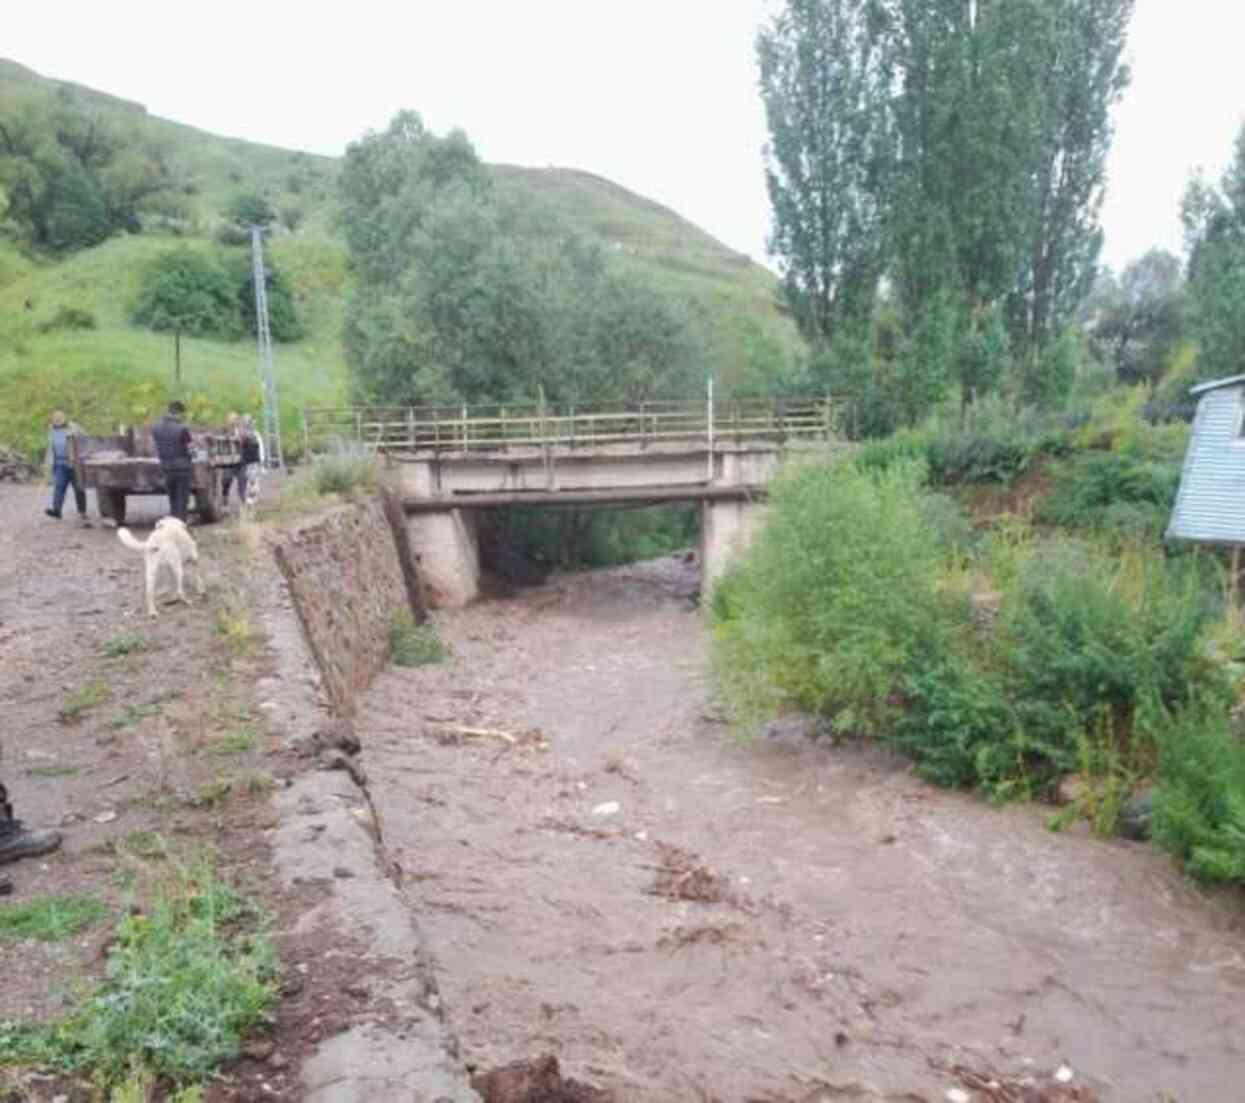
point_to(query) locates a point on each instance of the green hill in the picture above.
(113, 371)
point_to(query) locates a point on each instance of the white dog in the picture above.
(170, 544)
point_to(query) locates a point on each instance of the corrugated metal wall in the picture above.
(1210, 506)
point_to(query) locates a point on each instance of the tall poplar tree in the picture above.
(958, 146)
(825, 85)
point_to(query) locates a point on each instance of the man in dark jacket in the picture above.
(173, 444)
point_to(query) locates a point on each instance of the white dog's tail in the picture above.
(124, 535)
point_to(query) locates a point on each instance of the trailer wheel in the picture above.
(209, 500)
(111, 504)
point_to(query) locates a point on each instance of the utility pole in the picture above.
(263, 336)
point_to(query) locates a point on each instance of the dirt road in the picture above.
(681, 915)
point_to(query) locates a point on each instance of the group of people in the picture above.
(175, 450)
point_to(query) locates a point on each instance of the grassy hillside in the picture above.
(117, 372)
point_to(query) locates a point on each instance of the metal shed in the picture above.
(1210, 505)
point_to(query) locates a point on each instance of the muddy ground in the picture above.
(148, 743)
(606, 873)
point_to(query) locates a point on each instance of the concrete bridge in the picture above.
(453, 462)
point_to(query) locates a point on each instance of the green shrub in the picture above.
(1085, 488)
(185, 981)
(67, 318)
(188, 291)
(411, 644)
(837, 599)
(347, 466)
(1199, 808)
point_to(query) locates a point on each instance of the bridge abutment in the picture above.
(447, 543)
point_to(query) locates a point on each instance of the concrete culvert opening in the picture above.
(521, 546)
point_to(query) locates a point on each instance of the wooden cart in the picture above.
(126, 463)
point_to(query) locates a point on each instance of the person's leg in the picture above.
(182, 513)
(79, 493)
(226, 481)
(61, 474)
(16, 842)
(243, 482)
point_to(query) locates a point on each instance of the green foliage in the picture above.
(1140, 317)
(1214, 223)
(956, 148)
(953, 459)
(73, 175)
(465, 295)
(188, 291)
(411, 644)
(823, 614)
(826, 84)
(186, 979)
(247, 209)
(346, 467)
(1111, 491)
(1199, 808)
(49, 918)
(68, 318)
(284, 323)
(578, 538)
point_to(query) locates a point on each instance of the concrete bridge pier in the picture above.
(727, 527)
(447, 544)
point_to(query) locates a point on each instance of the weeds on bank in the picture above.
(52, 771)
(347, 466)
(411, 644)
(50, 918)
(122, 644)
(234, 624)
(83, 700)
(187, 977)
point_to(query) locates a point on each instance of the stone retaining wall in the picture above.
(347, 584)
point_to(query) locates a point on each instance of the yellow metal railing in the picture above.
(464, 429)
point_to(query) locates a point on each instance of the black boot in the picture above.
(53, 513)
(16, 842)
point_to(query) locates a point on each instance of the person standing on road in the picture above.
(173, 445)
(237, 471)
(60, 459)
(252, 464)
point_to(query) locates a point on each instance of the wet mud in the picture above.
(605, 873)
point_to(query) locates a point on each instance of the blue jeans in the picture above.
(63, 478)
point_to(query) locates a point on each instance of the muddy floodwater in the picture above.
(604, 872)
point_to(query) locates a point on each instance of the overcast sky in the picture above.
(658, 95)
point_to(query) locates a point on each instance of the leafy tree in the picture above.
(185, 291)
(1137, 320)
(465, 295)
(1214, 222)
(283, 321)
(247, 209)
(75, 175)
(826, 86)
(955, 145)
